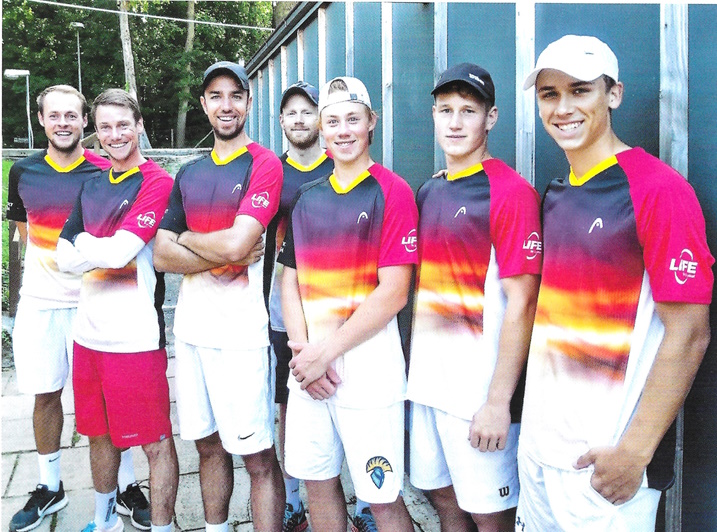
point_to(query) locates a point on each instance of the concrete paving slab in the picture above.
(171, 365)
(172, 393)
(68, 400)
(8, 466)
(9, 383)
(17, 406)
(190, 514)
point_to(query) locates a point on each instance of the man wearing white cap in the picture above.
(347, 274)
(622, 319)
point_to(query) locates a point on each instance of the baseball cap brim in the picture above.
(583, 57)
(226, 67)
(306, 90)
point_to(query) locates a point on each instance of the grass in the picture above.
(6, 340)
(5, 250)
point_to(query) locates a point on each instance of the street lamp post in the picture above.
(78, 26)
(12, 73)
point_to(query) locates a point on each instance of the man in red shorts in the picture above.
(121, 390)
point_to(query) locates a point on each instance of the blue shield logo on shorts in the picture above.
(377, 467)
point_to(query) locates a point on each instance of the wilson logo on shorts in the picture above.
(377, 467)
(504, 492)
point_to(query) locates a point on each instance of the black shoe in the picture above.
(294, 521)
(133, 503)
(364, 522)
(42, 502)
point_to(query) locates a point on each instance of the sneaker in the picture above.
(42, 502)
(133, 503)
(364, 522)
(92, 527)
(294, 521)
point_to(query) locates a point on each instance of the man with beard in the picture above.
(42, 190)
(212, 233)
(304, 161)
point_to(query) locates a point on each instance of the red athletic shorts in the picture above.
(125, 395)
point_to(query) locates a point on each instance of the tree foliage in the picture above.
(39, 37)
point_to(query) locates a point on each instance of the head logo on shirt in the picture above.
(410, 242)
(146, 220)
(685, 267)
(532, 246)
(237, 187)
(260, 200)
(377, 467)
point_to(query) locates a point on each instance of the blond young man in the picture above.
(348, 257)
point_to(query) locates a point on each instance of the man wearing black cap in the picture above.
(212, 233)
(304, 161)
(622, 320)
(480, 256)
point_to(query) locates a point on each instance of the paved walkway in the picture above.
(19, 472)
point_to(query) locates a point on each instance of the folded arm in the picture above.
(89, 252)
(225, 246)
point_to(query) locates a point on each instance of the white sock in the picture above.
(360, 505)
(162, 528)
(292, 492)
(221, 527)
(49, 470)
(105, 512)
(126, 476)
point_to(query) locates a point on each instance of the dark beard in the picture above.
(63, 149)
(231, 136)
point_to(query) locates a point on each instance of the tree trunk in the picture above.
(130, 79)
(184, 95)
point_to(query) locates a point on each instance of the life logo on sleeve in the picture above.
(684, 267)
(532, 246)
(410, 242)
(146, 220)
(260, 200)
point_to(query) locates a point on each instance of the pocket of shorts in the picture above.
(595, 496)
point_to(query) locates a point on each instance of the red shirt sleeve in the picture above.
(671, 230)
(514, 221)
(147, 210)
(262, 199)
(399, 234)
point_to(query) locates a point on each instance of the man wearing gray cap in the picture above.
(622, 319)
(212, 233)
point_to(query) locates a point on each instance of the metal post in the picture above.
(27, 108)
(79, 64)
